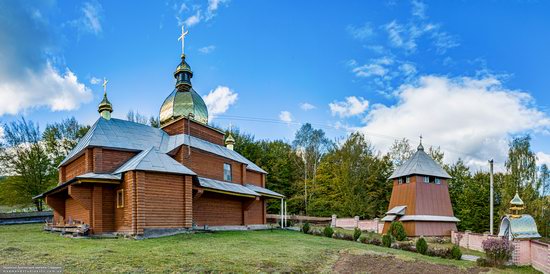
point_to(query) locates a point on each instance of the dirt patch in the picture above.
(12, 250)
(350, 263)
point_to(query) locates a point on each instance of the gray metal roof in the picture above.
(388, 218)
(264, 191)
(421, 164)
(99, 176)
(398, 210)
(122, 134)
(154, 160)
(183, 139)
(225, 186)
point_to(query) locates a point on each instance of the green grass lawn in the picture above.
(247, 251)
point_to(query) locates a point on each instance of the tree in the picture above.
(461, 175)
(23, 157)
(60, 138)
(400, 151)
(544, 178)
(352, 180)
(437, 155)
(281, 163)
(311, 144)
(136, 117)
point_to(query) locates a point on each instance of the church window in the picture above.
(120, 198)
(437, 181)
(426, 179)
(227, 172)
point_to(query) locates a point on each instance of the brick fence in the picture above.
(351, 223)
(526, 252)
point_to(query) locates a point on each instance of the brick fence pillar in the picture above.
(356, 220)
(333, 221)
(467, 238)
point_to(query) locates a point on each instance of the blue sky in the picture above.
(467, 75)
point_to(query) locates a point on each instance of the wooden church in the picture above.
(420, 198)
(130, 178)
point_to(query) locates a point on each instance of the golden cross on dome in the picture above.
(182, 38)
(105, 81)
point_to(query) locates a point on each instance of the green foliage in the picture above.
(306, 227)
(356, 234)
(398, 231)
(456, 253)
(387, 240)
(352, 181)
(421, 246)
(24, 157)
(328, 231)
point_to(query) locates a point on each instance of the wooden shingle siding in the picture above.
(255, 213)
(254, 178)
(164, 200)
(75, 211)
(217, 209)
(197, 130)
(74, 168)
(208, 165)
(108, 208)
(110, 160)
(123, 215)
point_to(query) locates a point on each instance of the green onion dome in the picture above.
(184, 100)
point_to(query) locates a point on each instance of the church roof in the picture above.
(420, 164)
(126, 135)
(523, 227)
(226, 187)
(182, 102)
(154, 160)
(264, 191)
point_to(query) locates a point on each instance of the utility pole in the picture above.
(491, 202)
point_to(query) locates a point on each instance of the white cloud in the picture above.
(213, 6)
(285, 116)
(90, 20)
(376, 67)
(194, 19)
(207, 49)
(469, 118)
(46, 88)
(219, 100)
(351, 107)
(543, 158)
(95, 81)
(199, 12)
(408, 69)
(29, 79)
(418, 9)
(307, 106)
(362, 32)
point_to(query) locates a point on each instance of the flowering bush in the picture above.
(498, 251)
